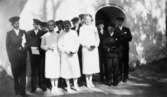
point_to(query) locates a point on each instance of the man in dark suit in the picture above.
(125, 37)
(34, 41)
(16, 50)
(111, 47)
(100, 28)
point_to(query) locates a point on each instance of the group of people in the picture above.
(62, 52)
(114, 51)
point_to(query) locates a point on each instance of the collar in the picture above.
(120, 27)
(111, 34)
(36, 31)
(16, 31)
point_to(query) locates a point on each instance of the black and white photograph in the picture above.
(83, 48)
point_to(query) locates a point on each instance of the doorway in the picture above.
(108, 14)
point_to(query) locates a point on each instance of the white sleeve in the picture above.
(97, 37)
(43, 43)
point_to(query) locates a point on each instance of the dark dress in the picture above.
(17, 57)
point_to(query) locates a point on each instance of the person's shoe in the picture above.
(125, 80)
(92, 85)
(18, 95)
(29, 93)
(58, 92)
(88, 85)
(52, 90)
(25, 95)
(115, 83)
(38, 90)
(32, 90)
(76, 88)
(70, 91)
(109, 83)
(43, 87)
(48, 93)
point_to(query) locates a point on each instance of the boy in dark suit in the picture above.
(100, 28)
(34, 41)
(111, 47)
(125, 37)
(16, 44)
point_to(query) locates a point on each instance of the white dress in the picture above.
(90, 58)
(69, 42)
(52, 57)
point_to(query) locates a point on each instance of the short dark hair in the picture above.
(36, 21)
(81, 16)
(75, 20)
(59, 24)
(67, 23)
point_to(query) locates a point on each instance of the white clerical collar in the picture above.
(16, 31)
(120, 27)
(102, 32)
(111, 34)
(36, 31)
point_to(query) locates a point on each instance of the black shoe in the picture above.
(43, 87)
(125, 80)
(109, 83)
(32, 90)
(115, 83)
(25, 95)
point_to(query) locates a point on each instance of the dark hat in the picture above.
(111, 24)
(14, 19)
(81, 16)
(36, 21)
(60, 24)
(67, 23)
(120, 18)
(43, 24)
(99, 22)
(75, 20)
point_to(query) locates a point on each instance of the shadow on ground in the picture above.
(146, 81)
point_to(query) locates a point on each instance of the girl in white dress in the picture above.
(69, 45)
(89, 40)
(52, 56)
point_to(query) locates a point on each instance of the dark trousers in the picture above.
(124, 65)
(102, 64)
(19, 75)
(81, 80)
(112, 68)
(35, 71)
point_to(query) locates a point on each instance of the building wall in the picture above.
(146, 19)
